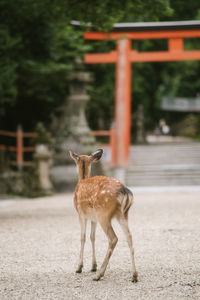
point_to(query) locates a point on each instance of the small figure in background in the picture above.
(165, 129)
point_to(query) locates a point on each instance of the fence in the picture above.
(19, 135)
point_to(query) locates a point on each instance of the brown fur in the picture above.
(99, 199)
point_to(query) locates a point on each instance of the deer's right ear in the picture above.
(95, 156)
(73, 155)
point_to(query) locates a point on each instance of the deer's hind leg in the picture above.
(83, 223)
(92, 237)
(123, 221)
(112, 241)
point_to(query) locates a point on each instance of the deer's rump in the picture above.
(102, 194)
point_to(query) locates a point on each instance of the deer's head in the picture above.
(84, 162)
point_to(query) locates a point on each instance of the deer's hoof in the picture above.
(135, 277)
(79, 269)
(94, 268)
(98, 277)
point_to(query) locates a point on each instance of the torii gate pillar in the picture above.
(122, 119)
(122, 104)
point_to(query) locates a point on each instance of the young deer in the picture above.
(100, 199)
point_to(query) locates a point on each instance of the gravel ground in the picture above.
(39, 247)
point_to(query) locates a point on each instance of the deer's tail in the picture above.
(125, 199)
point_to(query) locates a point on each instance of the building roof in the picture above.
(150, 26)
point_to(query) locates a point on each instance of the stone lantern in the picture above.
(72, 131)
(80, 135)
(43, 158)
(70, 127)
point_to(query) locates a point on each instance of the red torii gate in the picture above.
(174, 32)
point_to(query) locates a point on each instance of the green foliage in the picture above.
(38, 47)
(189, 126)
(103, 14)
(42, 136)
(147, 11)
(8, 67)
(25, 183)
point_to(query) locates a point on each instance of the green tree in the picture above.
(38, 47)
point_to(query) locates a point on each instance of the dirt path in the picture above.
(39, 246)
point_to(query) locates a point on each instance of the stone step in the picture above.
(164, 164)
(164, 168)
(163, 174)
(163, 183)
(159, 175)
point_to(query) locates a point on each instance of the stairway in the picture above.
(168, 164)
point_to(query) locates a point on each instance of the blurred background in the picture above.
(52, 102)
(40, 53)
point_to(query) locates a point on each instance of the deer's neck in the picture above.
(83, 170)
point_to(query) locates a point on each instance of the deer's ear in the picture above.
(74, 156)
(95, 156)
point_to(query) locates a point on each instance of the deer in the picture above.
(99, 199)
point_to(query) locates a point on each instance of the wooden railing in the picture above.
(19, 135)
(20, 149)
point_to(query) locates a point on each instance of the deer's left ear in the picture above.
(95, 156)
(73, 155)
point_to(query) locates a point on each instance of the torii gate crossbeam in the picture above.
(174, 32)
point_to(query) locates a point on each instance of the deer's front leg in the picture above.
(83, 223)
(92, 237)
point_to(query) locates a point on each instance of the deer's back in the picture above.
(98, 194)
